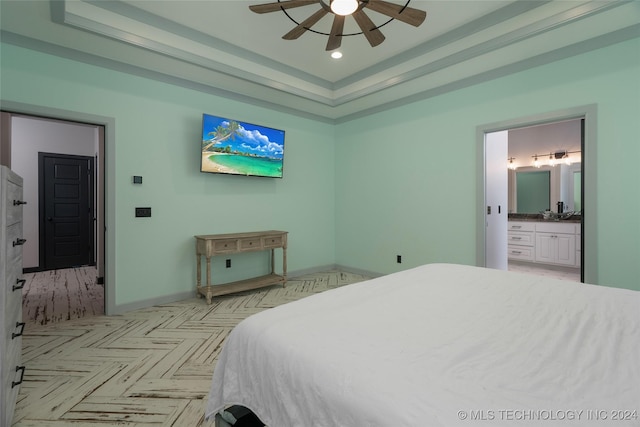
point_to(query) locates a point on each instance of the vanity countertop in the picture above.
(538, 218)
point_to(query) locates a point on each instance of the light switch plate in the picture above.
(143, 212)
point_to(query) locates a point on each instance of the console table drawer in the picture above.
(249, 244)
(220, 246)
(273, 242)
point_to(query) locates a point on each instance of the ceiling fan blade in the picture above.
(408, 15)
(274, 7)
(305, 25)
(374, 35)
(335, 38)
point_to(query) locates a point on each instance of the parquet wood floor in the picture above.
(150, 367)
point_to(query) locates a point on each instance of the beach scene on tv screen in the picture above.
(235, 147)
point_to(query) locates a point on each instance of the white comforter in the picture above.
(439, 345)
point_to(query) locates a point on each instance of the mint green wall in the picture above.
(398, 182)
(406, 178)
(157, 135)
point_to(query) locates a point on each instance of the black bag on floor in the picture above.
(243, 417)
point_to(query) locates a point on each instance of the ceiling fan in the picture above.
(341, 9)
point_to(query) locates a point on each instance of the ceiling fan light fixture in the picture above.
(344, 7)
(336, 54)
(341, 10)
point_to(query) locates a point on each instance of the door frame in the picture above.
(106, 182)
(589, 263)
(42, 205)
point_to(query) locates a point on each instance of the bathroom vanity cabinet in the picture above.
(545, 242)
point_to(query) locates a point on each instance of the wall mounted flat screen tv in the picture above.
(239, 148)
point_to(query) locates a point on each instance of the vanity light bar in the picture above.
(558, 155)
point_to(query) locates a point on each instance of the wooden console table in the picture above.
(225, 244)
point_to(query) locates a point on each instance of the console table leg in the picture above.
(198, 276)
(273, 261)
(208, 280)
(284, 265)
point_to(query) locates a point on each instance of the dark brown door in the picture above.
(66, 211)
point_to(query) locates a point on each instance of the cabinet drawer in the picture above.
(14, 212)
(524, 253)
(221, 246)
(557, 227)
(14, 278)
(520, 226)
(12, 310)
(10, 394)
(13, 348)
(524, 239)
(250, 244)
(273, 242)
(13, 246)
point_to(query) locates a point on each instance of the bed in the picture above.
(439, 345)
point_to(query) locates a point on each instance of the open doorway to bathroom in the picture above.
(544, 177)
(537, 243)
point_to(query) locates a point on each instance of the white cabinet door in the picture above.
(555, 248)
(545, 251)
(566, 249)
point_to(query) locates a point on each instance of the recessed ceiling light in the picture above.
(336, 54)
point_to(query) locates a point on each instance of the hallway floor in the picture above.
(59, 295)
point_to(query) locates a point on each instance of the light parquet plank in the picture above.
(130, 410)
(169, 364)
(73, 391)
(33, 392)
(200, 333)
(208, 351)
(35, 346)
(192, 415)
(120, 382)
(170, 388)
(147, 343)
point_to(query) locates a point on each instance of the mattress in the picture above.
(439, 345)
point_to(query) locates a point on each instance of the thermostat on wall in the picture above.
(137, 179)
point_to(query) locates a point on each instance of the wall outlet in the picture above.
(399, 259)
(228, 263)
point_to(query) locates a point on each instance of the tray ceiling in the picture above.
(223, 48)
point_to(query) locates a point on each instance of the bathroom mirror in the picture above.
(532, 190)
